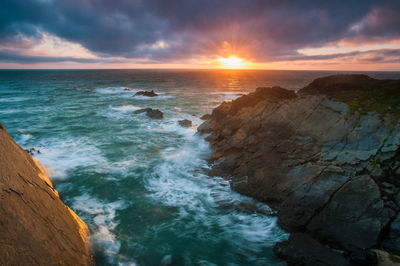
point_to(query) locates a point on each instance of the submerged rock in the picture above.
(32, 151)
(303, 154)
(185, 123)
(152, 113)
(36, 227)
(146, 93)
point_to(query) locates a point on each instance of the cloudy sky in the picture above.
(284, 34)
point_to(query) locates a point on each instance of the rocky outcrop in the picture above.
(185, 123)
(146, 93)
(330, 169)
(152, 113)
(36, 228)
(205, 117)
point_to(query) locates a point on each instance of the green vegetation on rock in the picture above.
(361, 92)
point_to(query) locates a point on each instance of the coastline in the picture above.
(84, 231)
(38, 228)
(329, 169)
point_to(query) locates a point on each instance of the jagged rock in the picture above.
(36, 228)
(146, 93)
(152, 113)
(302, 249)
(185, 123)
(386, 258)
(354, 217)
(205, 117)
(392, 242)
(302, 155)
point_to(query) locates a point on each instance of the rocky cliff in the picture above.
(326, 159)
(36, 228)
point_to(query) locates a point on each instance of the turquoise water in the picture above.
(140, 184)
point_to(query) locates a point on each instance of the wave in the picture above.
(14, 99)
(125, 108)
(161, 96)
(101, 217)
(64, 154)
(180, 180)
(115, 90)
(23, 139)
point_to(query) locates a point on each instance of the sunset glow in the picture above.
(241, 35)
(232, 62)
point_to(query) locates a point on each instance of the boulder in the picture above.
(185, 123)
(146, 93)
(152, 113)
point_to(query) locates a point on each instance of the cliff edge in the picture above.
(36, 228)
(327, 159)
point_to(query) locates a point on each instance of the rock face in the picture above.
(185, 123)
(330, 172)
(152, 113)
(146, 93)
(36, 228)
(205, 117)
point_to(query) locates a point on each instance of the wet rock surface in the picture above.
(185, 123)
(330, 172)
(205, 117)
(146, 93)
(152, 113)
(36, 228)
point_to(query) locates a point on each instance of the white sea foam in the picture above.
(102, 215)
(118, 112)
(180, 180)
(64, 154)
(125, 108)
(228, 95)
(23, 139)
(161, 96)
(115, 90)
(124, 167)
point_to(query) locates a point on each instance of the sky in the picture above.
(255, 34)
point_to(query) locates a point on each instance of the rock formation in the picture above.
(146, 93)
(185, 123)
(36, 228)
(152, 113)
(327, 159)
(205, 117)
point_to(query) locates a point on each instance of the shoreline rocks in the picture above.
(36, 227)
(152, 113)
(185, 123)
(329, 170)
(146, 93)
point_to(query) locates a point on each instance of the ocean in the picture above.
(141, 185)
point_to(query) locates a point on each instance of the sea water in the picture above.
(140, 184)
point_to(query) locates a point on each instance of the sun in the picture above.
(232, 62)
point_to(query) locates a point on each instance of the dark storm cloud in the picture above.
(262, 30)
(12, 57)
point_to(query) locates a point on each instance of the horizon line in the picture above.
(205, 69)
